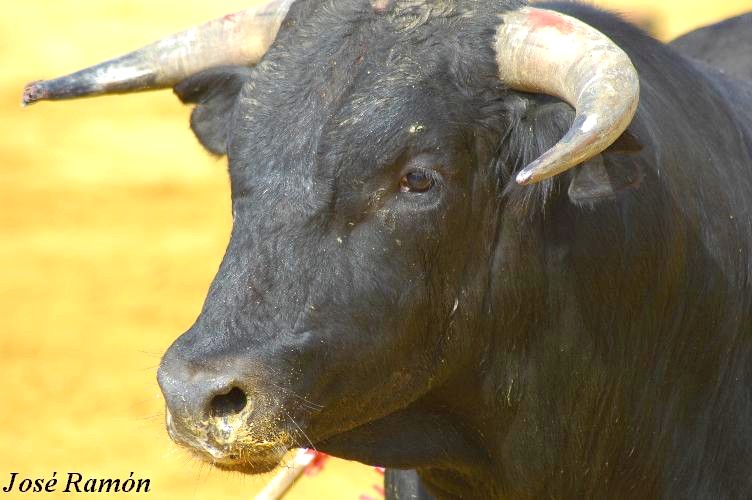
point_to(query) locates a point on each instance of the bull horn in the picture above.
(550, 53)
(240, 38)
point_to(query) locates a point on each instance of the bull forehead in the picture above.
(345, 84)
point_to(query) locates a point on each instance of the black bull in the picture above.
(390, 295)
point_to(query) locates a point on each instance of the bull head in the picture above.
(314, 254)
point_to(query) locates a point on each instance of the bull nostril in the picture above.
(231, 403)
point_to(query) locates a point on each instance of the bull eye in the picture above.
(417, 181)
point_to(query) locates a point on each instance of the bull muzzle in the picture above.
(214, 410)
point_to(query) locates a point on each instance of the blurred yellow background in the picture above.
(112, 225)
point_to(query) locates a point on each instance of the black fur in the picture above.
(725, 45)
(504, 341)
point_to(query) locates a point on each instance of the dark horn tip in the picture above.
(33, 92)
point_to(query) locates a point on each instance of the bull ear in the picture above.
(608, 173)
(214, 92)
(546, 119)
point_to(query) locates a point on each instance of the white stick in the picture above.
(286, 477)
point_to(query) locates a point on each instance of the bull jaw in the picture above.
(230, 443)
(409, 439)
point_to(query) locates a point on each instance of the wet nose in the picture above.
(196, 392)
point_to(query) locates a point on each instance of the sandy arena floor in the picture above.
(112, 225)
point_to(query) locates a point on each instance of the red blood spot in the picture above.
(379, 489)
(544, 19)
(317, 465)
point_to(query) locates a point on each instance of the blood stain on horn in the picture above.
(542, 19)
